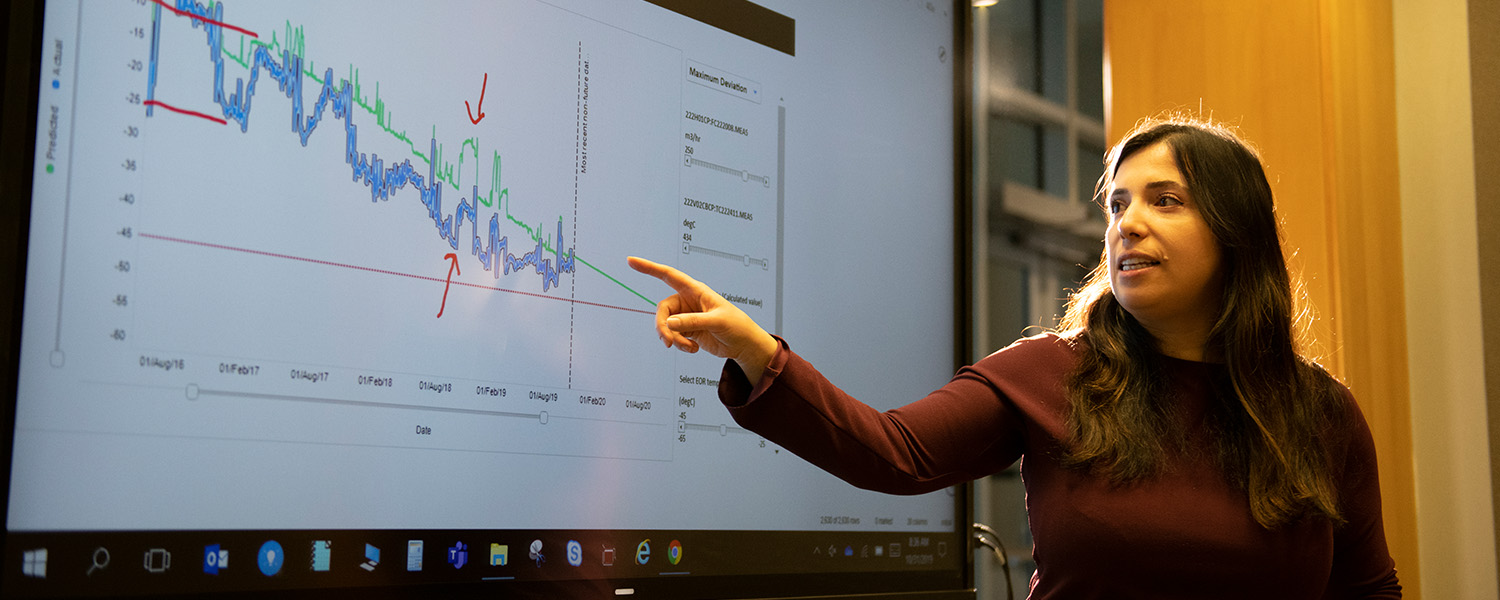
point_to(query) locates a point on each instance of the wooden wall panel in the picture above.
(1312, 85)
(1484, 81)
(1358, 88)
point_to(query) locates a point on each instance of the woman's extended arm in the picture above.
(696, 317)
(958, 433)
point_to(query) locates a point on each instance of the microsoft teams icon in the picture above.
(458, 555)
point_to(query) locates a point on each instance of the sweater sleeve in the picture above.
(962, 431)
(1362, 565)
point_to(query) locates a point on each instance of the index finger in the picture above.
(679, 281)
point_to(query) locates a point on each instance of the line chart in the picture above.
(548, 259)
(306, 207)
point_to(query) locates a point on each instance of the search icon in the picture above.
(101, 560)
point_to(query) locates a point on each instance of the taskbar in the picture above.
(615, 563)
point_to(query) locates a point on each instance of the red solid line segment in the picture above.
(186, 112)
(383, 271)
(206, 19)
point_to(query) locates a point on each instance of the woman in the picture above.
(1173, 442)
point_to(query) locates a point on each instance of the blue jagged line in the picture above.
(370, 170)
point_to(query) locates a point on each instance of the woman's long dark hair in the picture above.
(1270, 428)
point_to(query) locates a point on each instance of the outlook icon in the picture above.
(214, 558)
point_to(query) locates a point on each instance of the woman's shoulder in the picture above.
(1343, 421)
(1046, 352)
(1031, 374)
(1047, 342)
(1338, 399)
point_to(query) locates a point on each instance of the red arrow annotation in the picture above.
(452, 268)
(480, 106)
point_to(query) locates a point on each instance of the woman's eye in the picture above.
(1115, 207)
(1168, 201)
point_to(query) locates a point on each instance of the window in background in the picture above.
(1039, 145)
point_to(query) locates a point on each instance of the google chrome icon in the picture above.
(674, 552)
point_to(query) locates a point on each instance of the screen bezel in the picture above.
(19, 101)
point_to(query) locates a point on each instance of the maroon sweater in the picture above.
(1186, 533)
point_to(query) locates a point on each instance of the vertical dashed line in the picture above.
(577, 131)
(577, 167)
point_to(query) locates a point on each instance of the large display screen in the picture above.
(334, 294)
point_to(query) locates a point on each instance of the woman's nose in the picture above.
(1129, 222)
